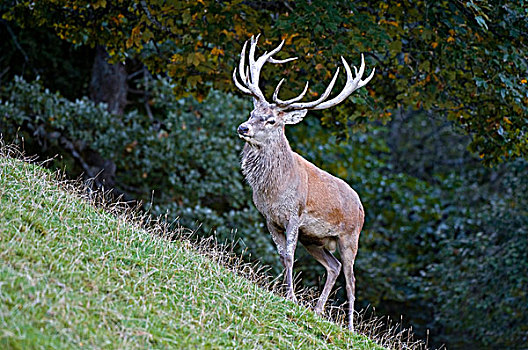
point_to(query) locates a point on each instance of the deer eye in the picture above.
(270, 121)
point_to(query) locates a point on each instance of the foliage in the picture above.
(37, 52)
(463, 60)
(482, 273)
(76, 276)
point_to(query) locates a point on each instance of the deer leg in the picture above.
(348, 248)
(279, 238)
(333, 268)
(292, 234)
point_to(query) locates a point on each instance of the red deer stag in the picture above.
(299, 201)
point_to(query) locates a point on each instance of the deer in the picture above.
(299, 201)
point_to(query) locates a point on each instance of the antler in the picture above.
(352, 84)
(250, 80)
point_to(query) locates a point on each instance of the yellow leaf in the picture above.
(217, 51)
(239, 30)
(434, 44)
(136, 30)
(195, 58)
(176, 58)
(392, 23)
(507, 120)
(96, 5)
(288, 38)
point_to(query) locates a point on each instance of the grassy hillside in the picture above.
(75, 276)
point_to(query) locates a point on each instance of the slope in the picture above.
(73, 275)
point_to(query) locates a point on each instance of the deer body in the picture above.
(285, 184)
(299, 201)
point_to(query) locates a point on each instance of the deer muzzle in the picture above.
(243, 130)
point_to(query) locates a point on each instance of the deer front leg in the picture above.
(286, 243)
(292, 234)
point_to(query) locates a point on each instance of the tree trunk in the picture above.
(108, 85)
(109, 82)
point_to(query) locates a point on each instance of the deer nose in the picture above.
(242, 129)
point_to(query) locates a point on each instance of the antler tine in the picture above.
(310, 105)
(365, 82)
(242, 63)
(272, 60)
(276, 92)
(245, 86)
(351, 85)
(257, 65)
(254, 70)
(240, 86)
(282, 103)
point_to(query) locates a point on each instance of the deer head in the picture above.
(267, 120)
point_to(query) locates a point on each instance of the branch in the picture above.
(17, 45)
(151, 18)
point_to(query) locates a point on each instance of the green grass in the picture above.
(76, 276)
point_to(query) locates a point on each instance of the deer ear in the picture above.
(294, 117)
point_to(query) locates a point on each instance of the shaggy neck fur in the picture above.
(265, 166)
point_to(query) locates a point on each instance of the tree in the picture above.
(465, 61)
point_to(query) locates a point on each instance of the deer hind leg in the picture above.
(333, 268)
(348, 248)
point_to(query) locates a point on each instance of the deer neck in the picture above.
(268, 167)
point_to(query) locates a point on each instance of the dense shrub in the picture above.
(478, 284)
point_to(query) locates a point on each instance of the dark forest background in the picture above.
(137, 96)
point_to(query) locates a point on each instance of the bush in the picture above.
(478, 285)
